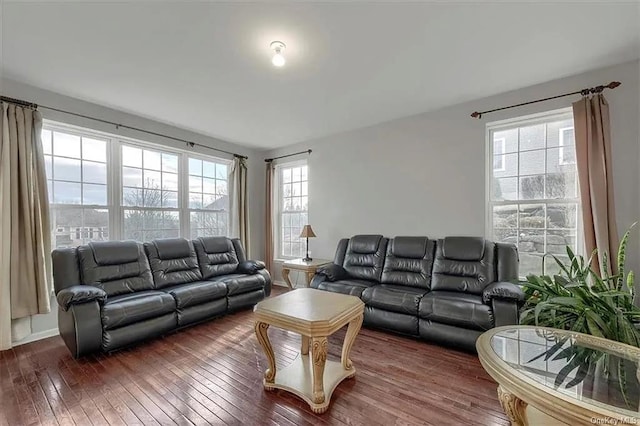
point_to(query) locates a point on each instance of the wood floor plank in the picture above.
(212, 374)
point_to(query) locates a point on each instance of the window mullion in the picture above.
(183, 196)
(114, 182)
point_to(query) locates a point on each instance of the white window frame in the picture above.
(503, 156)
(54, 126)
(114, 204)
(277, 204)
(523, 121)
(561, 146)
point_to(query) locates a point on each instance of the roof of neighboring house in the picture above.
(73, 218)
(221, 203)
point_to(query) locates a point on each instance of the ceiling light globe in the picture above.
(278, 60)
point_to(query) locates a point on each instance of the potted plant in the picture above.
(584, 300)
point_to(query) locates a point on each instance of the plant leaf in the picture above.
(564, 372)
(580, 375)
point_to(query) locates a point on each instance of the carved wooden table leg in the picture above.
(263, 338)
(349, 339)
(304, 347)
(285, 277)
(319, 347)
(513, 407)
(309, 275)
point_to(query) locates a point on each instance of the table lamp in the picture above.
(307, 233)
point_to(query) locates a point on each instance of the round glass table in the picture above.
(549, 376)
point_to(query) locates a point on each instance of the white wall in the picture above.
(46, 325)
(425, 174)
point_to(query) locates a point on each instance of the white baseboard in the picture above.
(280, 283)
(37, 336)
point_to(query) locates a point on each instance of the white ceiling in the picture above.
(206, 66)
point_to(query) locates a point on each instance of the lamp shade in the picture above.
(307, 232)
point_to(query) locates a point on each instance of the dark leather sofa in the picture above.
(115, 293)
(447, 291)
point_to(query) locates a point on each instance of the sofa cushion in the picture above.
(349, 286)
(216, 256)
(117, 267)
(173, 261)
(469, 275)
(463, 248)
(459, 309)
(409, 261)
(173, 248)
(196, 293)
(114, 252)
(243, 283)
(364, 257)
(125, 309)
(394, 298)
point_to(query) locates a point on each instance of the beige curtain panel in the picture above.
(239, 209)
(25, 242)
(595, 175)
(268, 223)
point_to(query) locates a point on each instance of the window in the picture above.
(149, 193)
(292, 208)
(499, 145)
(567, 151)
(76, 167)
(533, 196)
(103, 186)
(208, 198)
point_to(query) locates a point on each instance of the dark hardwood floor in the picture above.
(212, 374)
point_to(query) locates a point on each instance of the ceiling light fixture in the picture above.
(278, 59)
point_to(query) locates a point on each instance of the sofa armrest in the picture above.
(79, 294)
(332, 272)
(502, 290)
(250, 267)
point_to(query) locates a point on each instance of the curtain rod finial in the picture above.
(613, 84)
(476, 114)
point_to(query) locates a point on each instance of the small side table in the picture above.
(309, 268)
(315, 315)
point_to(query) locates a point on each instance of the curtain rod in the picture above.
(583, 92)
(124, 126)
(268, 160)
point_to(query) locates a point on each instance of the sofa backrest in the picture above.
(508, 262)
(464, 264)
(117, 267)
(65, 268)
(362, 256)
(216, 256)
(409, 261)
(173, 261)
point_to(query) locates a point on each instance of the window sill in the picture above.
(285, 259)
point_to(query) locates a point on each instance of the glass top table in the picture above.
(572, 377)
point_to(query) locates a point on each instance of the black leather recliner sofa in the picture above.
(115, 293)
(448, 291)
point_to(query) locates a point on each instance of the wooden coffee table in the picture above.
(315, 315)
